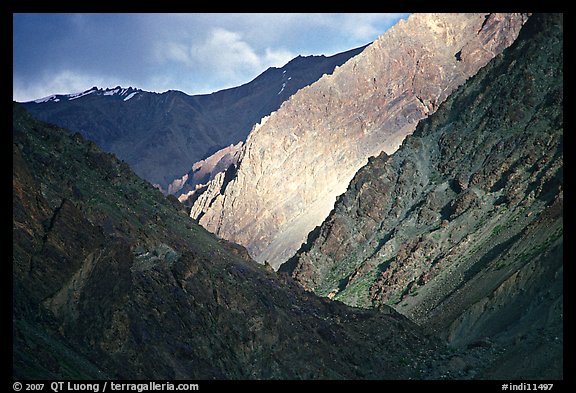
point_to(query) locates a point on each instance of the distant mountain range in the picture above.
(117, 93)
(162, 135)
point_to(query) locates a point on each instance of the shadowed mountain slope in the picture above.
(113, 280)
(461, 229)
(162, 135)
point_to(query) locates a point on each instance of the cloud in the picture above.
(225, 54)
(277, 57)
(173, 51)
(367, 26)
(363, 26)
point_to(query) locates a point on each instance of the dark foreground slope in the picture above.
(162, 135)
(462, 228)
(112, 280)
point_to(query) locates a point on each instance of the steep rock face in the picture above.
(297, 160)
(162, 135)
(205, 170)
(114, 281)
(462, 228)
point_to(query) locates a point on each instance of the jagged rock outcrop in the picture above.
(297, 160)
(203, 171)
(162, 135)
(111, 280)
(462, 228)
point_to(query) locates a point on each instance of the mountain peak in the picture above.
(118, 91)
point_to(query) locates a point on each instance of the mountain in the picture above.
(461, 229)
(118, 93)
(112, 280)
(162, 135)
(296, 161)
(203, 171)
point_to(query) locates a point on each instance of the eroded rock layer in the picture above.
(462, 228)
(297, 160)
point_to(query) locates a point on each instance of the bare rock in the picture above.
(300, 158)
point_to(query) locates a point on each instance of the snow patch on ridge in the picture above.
(111, 92)
(78, 95)
(46, 99)
(126, 92)
(130, 95)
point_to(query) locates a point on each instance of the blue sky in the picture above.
(194, 53)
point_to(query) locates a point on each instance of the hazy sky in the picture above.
(194, 53)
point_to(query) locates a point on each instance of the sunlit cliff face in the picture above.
(294, 165)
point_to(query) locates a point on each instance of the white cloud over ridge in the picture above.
(225, 54)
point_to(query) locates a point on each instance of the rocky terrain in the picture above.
(112, 280)
(441, 259)
(204, 171)
(461, 229)
(161, 136)
(296, 161)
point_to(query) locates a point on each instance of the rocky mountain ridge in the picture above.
(461, 229)
(162, 135)
(118, 92)
(112, 280)
(204, 171)
(297, 160)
